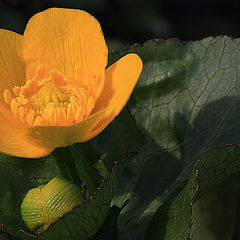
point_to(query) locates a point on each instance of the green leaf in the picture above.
(43, 169)
(173, 221)
(215, 214)
(109, 229)
(4, 236)
(99, 165)
(14, 186)
(186, 100)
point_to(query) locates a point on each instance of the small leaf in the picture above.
(99, 165)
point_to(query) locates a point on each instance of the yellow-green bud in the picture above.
(45, 204)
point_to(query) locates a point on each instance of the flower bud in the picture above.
(45, 204)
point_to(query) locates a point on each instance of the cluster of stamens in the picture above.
(54, 99)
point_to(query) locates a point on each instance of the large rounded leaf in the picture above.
(186, 100)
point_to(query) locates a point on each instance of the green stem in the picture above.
(66, 165)
(75, 168)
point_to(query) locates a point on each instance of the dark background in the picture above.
(125, 22)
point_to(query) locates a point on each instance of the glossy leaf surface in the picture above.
(186, 100)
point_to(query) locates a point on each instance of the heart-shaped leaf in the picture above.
(186, 100)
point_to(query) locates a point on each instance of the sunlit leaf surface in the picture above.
(186, 100)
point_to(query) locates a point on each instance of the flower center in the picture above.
(53, 100)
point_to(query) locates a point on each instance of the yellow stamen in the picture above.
(48, 109)
(25, 101)
(70, 113)
(74, 101)
(82, 93)
(57, 78)
(30, 117)
(84, 110)
(53, 117)
(21, 112)
(53, 99)
(39, 73)
(90, 105)
(79, 114)
(37, 121)
(14, 107)
(7, 96)
(79, 78)
(16, 90)
(62, 116)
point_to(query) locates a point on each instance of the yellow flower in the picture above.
(55, 90)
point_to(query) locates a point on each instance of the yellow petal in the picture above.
(66, 40)
(121, 78)
(13, 138)
(12, 66)
(62, 136)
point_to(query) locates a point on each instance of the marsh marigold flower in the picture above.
(55, 88)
